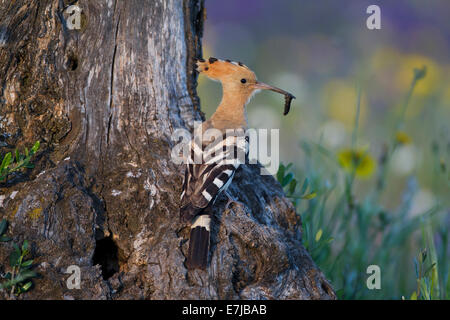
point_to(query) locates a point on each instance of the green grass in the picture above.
(11, 164)
(345, 233)
(18, 280)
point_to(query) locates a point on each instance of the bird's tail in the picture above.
(199, 243)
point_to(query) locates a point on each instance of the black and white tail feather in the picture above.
(209, 172)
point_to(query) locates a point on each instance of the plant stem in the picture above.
(13, 273)
(350, 179)
(390, 151)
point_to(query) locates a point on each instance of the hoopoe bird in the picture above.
(204, 182)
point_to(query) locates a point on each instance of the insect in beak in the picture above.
(287, 96)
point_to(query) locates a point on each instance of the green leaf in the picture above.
(17, 155)
(6, 161)
(309, 196)
(434, 281)
(413, 296)
(3, 226)
(5, 239)
(292, 186)
(425, 289)
(318, 235)
(16, 248)
(19, 278)
(280, 173)
(27, 286)
(35, 147)
(14, 258)
(25, 246)
(287, 179)
(27, 263)
(25, 275)
(429, 269)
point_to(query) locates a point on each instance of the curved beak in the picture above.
(288, 96)
(264, 86)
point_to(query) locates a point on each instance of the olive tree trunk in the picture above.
(104, 101)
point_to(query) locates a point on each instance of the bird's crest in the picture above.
(217, 68)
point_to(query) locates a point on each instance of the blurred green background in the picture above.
(375, 193)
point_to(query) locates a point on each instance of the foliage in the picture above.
(19, 161)
(18, 280)
(345, 233)
(3, 228)
(427, 274)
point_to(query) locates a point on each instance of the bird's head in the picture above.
(237, 79)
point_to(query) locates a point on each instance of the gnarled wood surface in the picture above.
(104, 195)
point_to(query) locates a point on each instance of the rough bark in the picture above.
(104, 195)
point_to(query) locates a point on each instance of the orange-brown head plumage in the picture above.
(234, 76)
(239, 83)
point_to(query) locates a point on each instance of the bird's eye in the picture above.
(243, 80)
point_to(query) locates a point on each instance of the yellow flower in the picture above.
(358, 161)
(402, 137)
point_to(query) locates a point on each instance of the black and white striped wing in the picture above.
(204, 182)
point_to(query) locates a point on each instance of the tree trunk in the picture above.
(104, 101)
